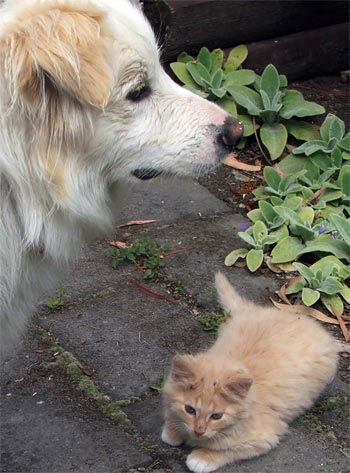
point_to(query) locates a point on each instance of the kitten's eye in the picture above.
(141, 92)
(190, 409)
(216, 416)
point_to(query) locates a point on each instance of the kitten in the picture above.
(234, 401)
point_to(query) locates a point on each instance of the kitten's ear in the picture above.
(237, 385)
(52, 49)
(182, 369)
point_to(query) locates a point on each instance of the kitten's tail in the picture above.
(228, 297)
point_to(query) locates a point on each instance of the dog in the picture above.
(85, 105)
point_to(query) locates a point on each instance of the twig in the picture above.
(341, 323)
(150, 293)
(259, 144)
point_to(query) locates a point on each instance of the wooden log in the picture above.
(321, 51)
(187, 25)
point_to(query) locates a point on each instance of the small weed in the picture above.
(146, 253)
(55, 302)
(179, 288)
(213, 320)
(158, 388)
(208, 294)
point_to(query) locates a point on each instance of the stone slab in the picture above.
(46, 426)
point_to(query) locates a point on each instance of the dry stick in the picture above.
(259, 144)
(341, 323)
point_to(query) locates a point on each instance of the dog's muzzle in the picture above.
(146, 173)
(229, 135)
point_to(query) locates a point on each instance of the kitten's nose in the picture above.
(199, 433)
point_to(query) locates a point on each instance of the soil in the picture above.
(234, 187)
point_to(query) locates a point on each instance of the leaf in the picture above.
(247, 238)
(295, 105)
(296, 286)
(334, 301)
(331, 286)
(228, 104)
(217, 79)
(232, 257)
(197, 91)
(181, 72)
(254, 259)
(198, 72)
(286, 250)
(234, 163)
(345, 143)
(304, 271)
(204, 57)
(344, 179)
(240, 77)
(270, 81)
(274, 137)
(237, 56)
(336, 129)
(325, 243)
(309, 296)
(217, 57)
(248, 126)
(302, 130)
(184, 57)
(135, 222)
(345, 293)
(342, 226)
(309, 311)
(272, 177)
(259, 230)
(247, 98)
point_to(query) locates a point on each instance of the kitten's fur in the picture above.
(266, 367)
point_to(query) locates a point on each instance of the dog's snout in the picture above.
(231, 133)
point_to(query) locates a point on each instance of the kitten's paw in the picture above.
(174, 439)
(198, 465)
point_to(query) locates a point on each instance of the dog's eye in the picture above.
(140, 93)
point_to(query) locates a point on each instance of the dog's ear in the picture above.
(57, 49)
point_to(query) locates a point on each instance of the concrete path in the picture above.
(77, 396)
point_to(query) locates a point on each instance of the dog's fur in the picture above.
(84, 104)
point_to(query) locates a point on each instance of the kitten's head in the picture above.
(208, 394)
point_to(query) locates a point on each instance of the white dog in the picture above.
(84, 103)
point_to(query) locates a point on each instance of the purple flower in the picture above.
(245, 226)
(322, 229)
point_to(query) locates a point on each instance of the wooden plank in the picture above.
(187, 25)
(321, 51)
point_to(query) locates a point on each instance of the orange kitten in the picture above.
(234, 401)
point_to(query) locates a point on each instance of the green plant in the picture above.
(145, 252)
(324, 279)
(272, 104)
(55, 302)
(257, 238)
(209, 75)
(213, 320)
(179, 288)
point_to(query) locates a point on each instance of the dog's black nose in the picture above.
(231, 133)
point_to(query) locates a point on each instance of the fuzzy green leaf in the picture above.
(342, 226)
(237, 56)
(248, 126)
(326, 244)
(217, 57)
(184, 57)
(270, 81)
(232, 257)
(295, 105)
(272, 177)
(216, 79)
(240, 77)
(334, 301)
(302, 130)
(309, 296)
(181, 72)
(345, 143)
(247, 98)
(344, 179)
(198, 72)
(228, 104)
(286, 250)
(204, 57)
(254, 259)
(274, 137)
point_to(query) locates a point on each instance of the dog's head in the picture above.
(82, 83)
